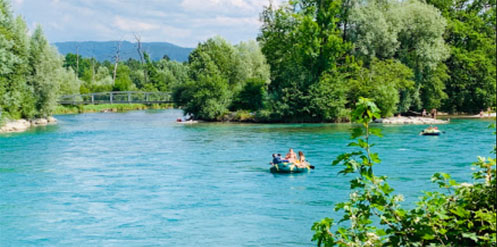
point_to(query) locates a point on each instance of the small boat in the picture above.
(188, 122)
(430, 131)
(288, 168)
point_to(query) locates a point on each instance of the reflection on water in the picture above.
(140, 179)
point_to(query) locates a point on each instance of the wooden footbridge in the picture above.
(118, 97)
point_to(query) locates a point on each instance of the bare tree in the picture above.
(116, 59)
(93, 64)
(139, 48)
(77, 61)
(93, 69)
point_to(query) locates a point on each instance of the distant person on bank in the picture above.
(434, 113)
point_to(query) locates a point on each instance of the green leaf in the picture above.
(428, 236)
(386, 188)
(356, 183)
(375, 158)
(356, 132)
(376, 132)
(459, 211)
(471, 235)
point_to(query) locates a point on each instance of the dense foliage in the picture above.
(406, 55)
(31, 72)
(462, 215)
(471, 66)
(308, 57)
(223, 77)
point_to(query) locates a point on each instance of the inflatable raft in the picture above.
(431, 131)
(288, 168)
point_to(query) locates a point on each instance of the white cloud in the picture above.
(225, 21)
(184, 22)
(235, 7)
(130, 25)
(16, 4)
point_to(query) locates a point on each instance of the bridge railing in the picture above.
(117, 97)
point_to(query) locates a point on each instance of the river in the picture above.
(140, 179)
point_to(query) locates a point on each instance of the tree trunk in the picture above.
(116, 59)
(140, 54)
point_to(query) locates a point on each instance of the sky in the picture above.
(181, 22)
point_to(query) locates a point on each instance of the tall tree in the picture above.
(16, 98)
(304, 46)
(471, 85)
(410, 31)
(213, 71)
(44, 61)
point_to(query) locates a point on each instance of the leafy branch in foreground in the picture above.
(461, 214)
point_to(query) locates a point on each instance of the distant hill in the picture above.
(105, 50)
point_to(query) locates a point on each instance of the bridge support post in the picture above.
(110, 97)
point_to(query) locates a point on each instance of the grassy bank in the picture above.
(107, 108)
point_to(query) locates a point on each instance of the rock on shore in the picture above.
(410, 120)
(23, 124)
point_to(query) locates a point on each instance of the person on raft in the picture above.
(302, 162)
(291, 156)
(277, 159)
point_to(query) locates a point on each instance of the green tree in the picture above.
(385, 82)
(45, 62)
(208, 98)
(252, 96)
(123, 81)
(327, 98)
(472, 63)
(252, 64)
(303, 45)
(16, 98)
(222, 55)
(214, 74)
(411, 32)
(375, 29)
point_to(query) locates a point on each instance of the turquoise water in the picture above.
(139, 179)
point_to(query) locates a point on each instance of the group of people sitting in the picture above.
(291, 157)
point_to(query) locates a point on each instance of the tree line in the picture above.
(130, 75)
(312, 61)
(324, 55)
(404, 55)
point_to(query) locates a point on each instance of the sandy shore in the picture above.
(410, 120)
(23, 124)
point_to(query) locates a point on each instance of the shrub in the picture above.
(243, 116)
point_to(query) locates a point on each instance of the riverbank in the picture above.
(410, 120)
(257, 117)
(21, 125)
(60, 110)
